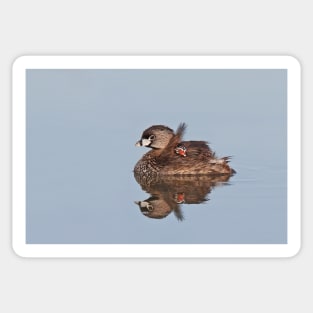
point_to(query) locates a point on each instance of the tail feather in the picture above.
(223, 160)
(227, 158)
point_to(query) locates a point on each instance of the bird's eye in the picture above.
(152, 137)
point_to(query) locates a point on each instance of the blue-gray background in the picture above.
(81, 130)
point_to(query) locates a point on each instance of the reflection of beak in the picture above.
(144, 205)
(138, 143)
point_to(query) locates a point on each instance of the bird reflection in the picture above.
(168, 193)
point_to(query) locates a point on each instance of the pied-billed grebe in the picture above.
(172, 156)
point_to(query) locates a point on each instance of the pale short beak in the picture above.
(143, 142)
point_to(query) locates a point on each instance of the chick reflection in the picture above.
(168, 193)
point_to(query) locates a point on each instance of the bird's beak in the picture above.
(143, 142)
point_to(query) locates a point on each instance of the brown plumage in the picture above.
(164, 159)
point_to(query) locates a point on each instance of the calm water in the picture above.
(81, 129)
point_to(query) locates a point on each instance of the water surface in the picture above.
(82, 126)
